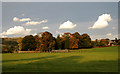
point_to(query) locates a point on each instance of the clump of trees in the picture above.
(75, 41)
(99, 43)
(117, 41)
(105, 42)
(9, 45)
(42, 42)
(45, 42)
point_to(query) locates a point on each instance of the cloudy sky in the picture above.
(99, 20)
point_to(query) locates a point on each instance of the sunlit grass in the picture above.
(82, 60)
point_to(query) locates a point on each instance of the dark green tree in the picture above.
(97, 43)
(65, 39)
(59, 42)
(28, 43)
(116, 40)
(86, 41)
(66, 42)
(93, 43)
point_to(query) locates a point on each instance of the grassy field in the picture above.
(83, 60)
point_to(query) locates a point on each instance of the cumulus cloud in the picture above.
(16, 30)
(45, 27)
(109, 34)
(67, 25)
(15, 19)
(24, 19)
(34, 34)
(102, 22)
(35, 22)
(21, 20)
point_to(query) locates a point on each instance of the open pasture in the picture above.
(83, 60)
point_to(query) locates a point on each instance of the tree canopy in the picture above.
(45, 42)
(28, 43)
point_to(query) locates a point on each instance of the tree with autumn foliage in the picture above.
(19, 41)
(104, 42)
(47, 41)
(37, 42)
(73, 43)
(78, 39)
(75, 40)
(51, 46)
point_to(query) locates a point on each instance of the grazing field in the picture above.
(84, 60)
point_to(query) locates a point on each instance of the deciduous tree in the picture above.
(28, 43)
(86, 41)
(19, 41)
(46, 40)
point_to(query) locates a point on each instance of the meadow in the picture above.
(83, 60)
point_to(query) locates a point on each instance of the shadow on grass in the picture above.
(66, 64)
(28, 59)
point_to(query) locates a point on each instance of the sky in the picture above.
(97, 19)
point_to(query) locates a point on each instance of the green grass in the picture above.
(83, 60)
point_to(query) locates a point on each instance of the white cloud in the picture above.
(21, 20)
(24, 19)
(45, 27)
(67, 25)
(35, 23)
(15, 19)
(109, 34)
(16, 30)
(102, 22)
(34, 34)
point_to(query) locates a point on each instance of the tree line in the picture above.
(45, 42)
(9, 44)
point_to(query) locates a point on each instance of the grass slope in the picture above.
(83, 60)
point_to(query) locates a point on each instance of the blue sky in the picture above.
(81, 15)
